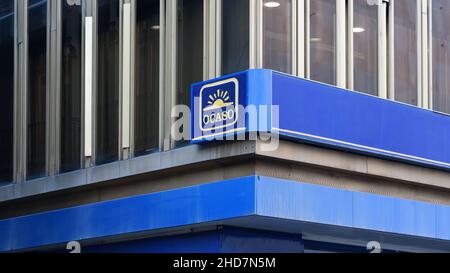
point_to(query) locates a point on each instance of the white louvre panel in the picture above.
(126, 76)
(88, 87)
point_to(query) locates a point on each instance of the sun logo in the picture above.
(218, 100)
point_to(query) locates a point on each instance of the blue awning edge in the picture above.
(253, 202)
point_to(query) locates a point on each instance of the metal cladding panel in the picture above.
(281, 205)
(336, 117)
(304, 202)
(443, 223)
(189, 206)
(317, 204)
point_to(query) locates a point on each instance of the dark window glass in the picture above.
(71, 88)
(323, 41)
(235, 36)
(406, 51)
(37, 84)
(147, 77)
(107, 120)
(277, 35)
(441, 55)
(190, 49)
(365, 35)
(7, 89)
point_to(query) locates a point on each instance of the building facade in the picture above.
(97, 147)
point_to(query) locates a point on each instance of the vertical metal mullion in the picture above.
(294, 33)
(351, 51)
(253, 33)
(419, 51)
(163, 117)
(206, 37)
(341, 44)
(133, 76)
(308, 39)
(20, 103)
(84, 5)
(211, 50)
(48, 124)
(300, 36)
(427, 54)
(382, 50)
(218, 37)
(171, 70)
(25, 82)
(16, 96)
(256, 34)
(391, 51)
(53, 88)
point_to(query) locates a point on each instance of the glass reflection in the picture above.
(37, 85)
(189, 51)
(7, 90)
(277, 35)
(147, 77)
(235, 36)
(71, 88)
(323, 41)
(406, 51)
(441, 55)
(107, 120)
(365, 35)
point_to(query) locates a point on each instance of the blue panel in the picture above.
(316, 204)
(238, 200)
(215, 107)
(356, 121)
(443, 223)
(309, 203)
(200, 204)
(229, 116)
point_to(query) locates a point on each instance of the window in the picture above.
(107, 120)
(323, 41)
(365, 39)
(406, 53)
(190, 47)
(189, 51)
(7, 90)
(277, 35)
(235, 36)
(147, 77)
(37, 88)
(71, 88)
(441, 55)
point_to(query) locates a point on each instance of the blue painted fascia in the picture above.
(177, 208)
(239, 200)
(287, 200)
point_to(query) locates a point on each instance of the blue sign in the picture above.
(320, 114)
(217, 108)
(219, 105)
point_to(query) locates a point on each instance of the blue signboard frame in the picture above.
(326, 115)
